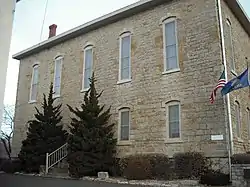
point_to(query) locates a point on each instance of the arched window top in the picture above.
(59, 56)
(168, 18)
(35, 65)
(125, 33)
(172, 102)
(125, 107)
(228, 22)
(88, 45)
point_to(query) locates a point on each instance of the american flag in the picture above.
(221, 83)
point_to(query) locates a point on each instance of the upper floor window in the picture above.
(125, 57)
(57, 76)
(173, 120)
(230, 45)
(124, 124)
(87, 67)
(248, 122)
(170, 45)
(34, 84)
(237, 116)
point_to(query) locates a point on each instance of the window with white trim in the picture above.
(248, 122)
(124, 130)
(237, 116)
(57, 76)
(87, 67)
(173, 120)
(170, 45)
(34, 84)
(125, 57)
(230, 45)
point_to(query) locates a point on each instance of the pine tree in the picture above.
(45, 134)
(91, 140)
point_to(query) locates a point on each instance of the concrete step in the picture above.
(60, 169)
(62, 164)
(62, 172)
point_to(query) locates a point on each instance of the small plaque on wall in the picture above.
(217, 137)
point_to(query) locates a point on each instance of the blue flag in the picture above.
(239, 82)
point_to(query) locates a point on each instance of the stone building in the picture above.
(157, 62)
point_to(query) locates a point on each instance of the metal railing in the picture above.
(55, 157)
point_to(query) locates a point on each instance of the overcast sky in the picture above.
(66, 14)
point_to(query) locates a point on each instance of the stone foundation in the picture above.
(238, 178)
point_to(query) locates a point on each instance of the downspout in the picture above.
(227, 99)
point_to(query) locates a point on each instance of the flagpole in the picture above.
(228, 126)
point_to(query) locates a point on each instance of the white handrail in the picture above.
(55, 157)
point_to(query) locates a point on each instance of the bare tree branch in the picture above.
(7, 129)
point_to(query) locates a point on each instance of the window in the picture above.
(230, 45)
(170, 45)
(34, 84)
(125, 57)
(87, 67)
(173, 120)
(57, 76)
(237, 113)
(124, 116)
(248, 122)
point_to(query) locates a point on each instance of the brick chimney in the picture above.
(52, 30)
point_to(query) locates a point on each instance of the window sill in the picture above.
(239, 140)
(31, 102)
(172, 141)
(171, 71)
(124, 81)
(234, 72)
(56, 96)
(84, 90)
(123, 143)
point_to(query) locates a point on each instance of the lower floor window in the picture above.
(173, 120)
(124, 124)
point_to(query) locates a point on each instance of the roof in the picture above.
(117, 15)
(240, 14)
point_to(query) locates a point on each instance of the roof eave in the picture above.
(239, 12)
(89, 26)
(127, 11)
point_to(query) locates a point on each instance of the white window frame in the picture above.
(232, 60)
(59, 94)
(248, 122)
(120, 80)
(166, 21)
(35, 66)
(119, 126)
(237, 119)
(84, 63)
(168, 139)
